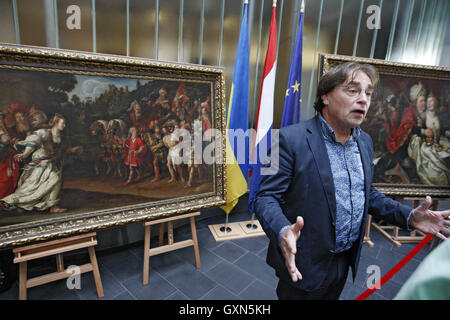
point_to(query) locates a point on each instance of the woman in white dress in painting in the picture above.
(40, 183)
(431, 151)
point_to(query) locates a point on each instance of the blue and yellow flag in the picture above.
(293, 99)
(237, 118)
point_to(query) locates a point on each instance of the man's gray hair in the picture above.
(339, 75)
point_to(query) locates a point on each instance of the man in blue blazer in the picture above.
(314, 208)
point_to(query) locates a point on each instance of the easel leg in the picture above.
(146, 254)
(367, 232)
(170, 232)
(396, 233)
(194, 239)
(23, 281)
(433, 241)
(95, 270)
(435, 205)
(161, 234)
(59, 263)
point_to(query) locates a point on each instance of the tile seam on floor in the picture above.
(120, 282)
(200, 298)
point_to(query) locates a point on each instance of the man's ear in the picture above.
(324, 98)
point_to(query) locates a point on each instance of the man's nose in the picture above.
(363, 98)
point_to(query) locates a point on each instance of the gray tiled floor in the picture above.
(230, 270)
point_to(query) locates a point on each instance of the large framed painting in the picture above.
(90, 141)
(409, 123)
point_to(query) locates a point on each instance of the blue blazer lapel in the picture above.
(367, 167)
(319, 151)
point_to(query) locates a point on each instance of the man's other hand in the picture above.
(288, 245)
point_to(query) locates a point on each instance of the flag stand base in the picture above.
(236, 230)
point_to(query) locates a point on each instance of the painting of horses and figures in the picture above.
(105, 145)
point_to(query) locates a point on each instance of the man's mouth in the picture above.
(359, 111)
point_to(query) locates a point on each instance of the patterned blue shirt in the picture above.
(348, 177)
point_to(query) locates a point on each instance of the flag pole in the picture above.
(226, 228)
(252, 225)
(237, 118)
(291, 118)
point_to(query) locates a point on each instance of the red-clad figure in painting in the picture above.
(412, 119)
(9, 166)
(16, 121)
(205, 111)
(412, 122)
(135, 151)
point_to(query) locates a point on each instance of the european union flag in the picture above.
(293, 99)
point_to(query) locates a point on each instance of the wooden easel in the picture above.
(367, 232)
(56, 247)
(171, 244)
(415, 236)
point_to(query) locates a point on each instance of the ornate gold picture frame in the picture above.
(409, 123)
(91, 141)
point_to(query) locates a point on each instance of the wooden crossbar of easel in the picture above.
(171, 245)
(415, 236)
(56, 247)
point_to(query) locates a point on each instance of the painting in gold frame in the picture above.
(88, 141)
(409, 123)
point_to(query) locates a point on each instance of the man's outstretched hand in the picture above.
(288, 245)
(432, 222)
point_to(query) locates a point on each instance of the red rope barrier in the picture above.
(395, 269)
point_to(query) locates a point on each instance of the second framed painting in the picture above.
(409, 122)
(90, 141)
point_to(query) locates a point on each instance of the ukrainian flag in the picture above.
(237, 118)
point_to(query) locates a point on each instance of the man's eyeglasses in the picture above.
(355, 91)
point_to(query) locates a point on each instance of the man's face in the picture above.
(21, 122)
(20, 117)
(421, 103)
(347, 105)
(137, 108)
(5, 138)
(133, 132)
